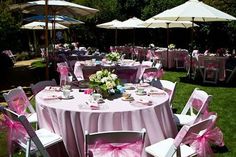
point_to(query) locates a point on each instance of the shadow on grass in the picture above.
(199, 81)
(220, 150)
(24, 76)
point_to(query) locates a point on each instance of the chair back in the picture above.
(150, 74)
(28, 128)
(41, 85)
(18, 101)
(197, 103)
(127, 74)
(170, 88)
(186, 131)
(119, 142)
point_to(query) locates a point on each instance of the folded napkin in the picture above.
(144, 102)
(52, 88)
(94, 106)
(49, 97)
(156, 92)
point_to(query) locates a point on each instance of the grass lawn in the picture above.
(224, 99)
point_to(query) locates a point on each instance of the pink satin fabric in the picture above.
(64, 71)
(202, 143)
(100, 149)
(196, 103)
(15, 131)
(19, 105)
(154, 74)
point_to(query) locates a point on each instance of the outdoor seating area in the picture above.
(82, 85)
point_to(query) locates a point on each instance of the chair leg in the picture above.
(27, 152)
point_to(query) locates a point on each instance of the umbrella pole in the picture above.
(46, 39)
(167, 51)
(116, 37)
(191, 48)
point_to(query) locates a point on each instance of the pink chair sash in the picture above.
(201, 143)
(64, 71)
(197, 103)
(154, 74)
(117, 150)
(15, 131)
(19, 105)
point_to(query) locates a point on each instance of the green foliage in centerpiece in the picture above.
(171, 46)
(113, 56)
(105, 83)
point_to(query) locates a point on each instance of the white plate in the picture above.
(66, 98)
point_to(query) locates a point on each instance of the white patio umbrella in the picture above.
(131, 23)
(110, 25)
(41, 25)
(64, 20)
(53, 7)
(194, 11)
(153, 23)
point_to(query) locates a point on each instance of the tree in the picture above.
(9, 27)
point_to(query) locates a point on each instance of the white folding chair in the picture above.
(18, 102)
(175, 147)
(41, 85)
(41, 138)
(125, 143)
(211, 70)
(170, 88)
(232, 73)
(194, 109)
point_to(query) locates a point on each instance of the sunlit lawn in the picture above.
(224, 99)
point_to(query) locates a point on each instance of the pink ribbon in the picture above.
(15, 131)
(197, 103)
(88, 91)
(63, 70)
(19, 105)
(114, 150)
(212, 65)
(201, 143)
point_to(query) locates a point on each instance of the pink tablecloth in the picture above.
(78, 68)
(174, 54)
(70, 118)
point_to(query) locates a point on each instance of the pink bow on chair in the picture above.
(156, 74)
(15, 131)
(64, 71)
(201, 143)
(121, 150)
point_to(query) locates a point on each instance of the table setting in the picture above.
(126, 107)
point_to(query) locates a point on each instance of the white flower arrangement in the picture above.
(113, 56)
(104, 82)
(171, 46)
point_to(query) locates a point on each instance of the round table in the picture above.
(70, 118)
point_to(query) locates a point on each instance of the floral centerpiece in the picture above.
(113, 56)
(105, 83)
(171, 46)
